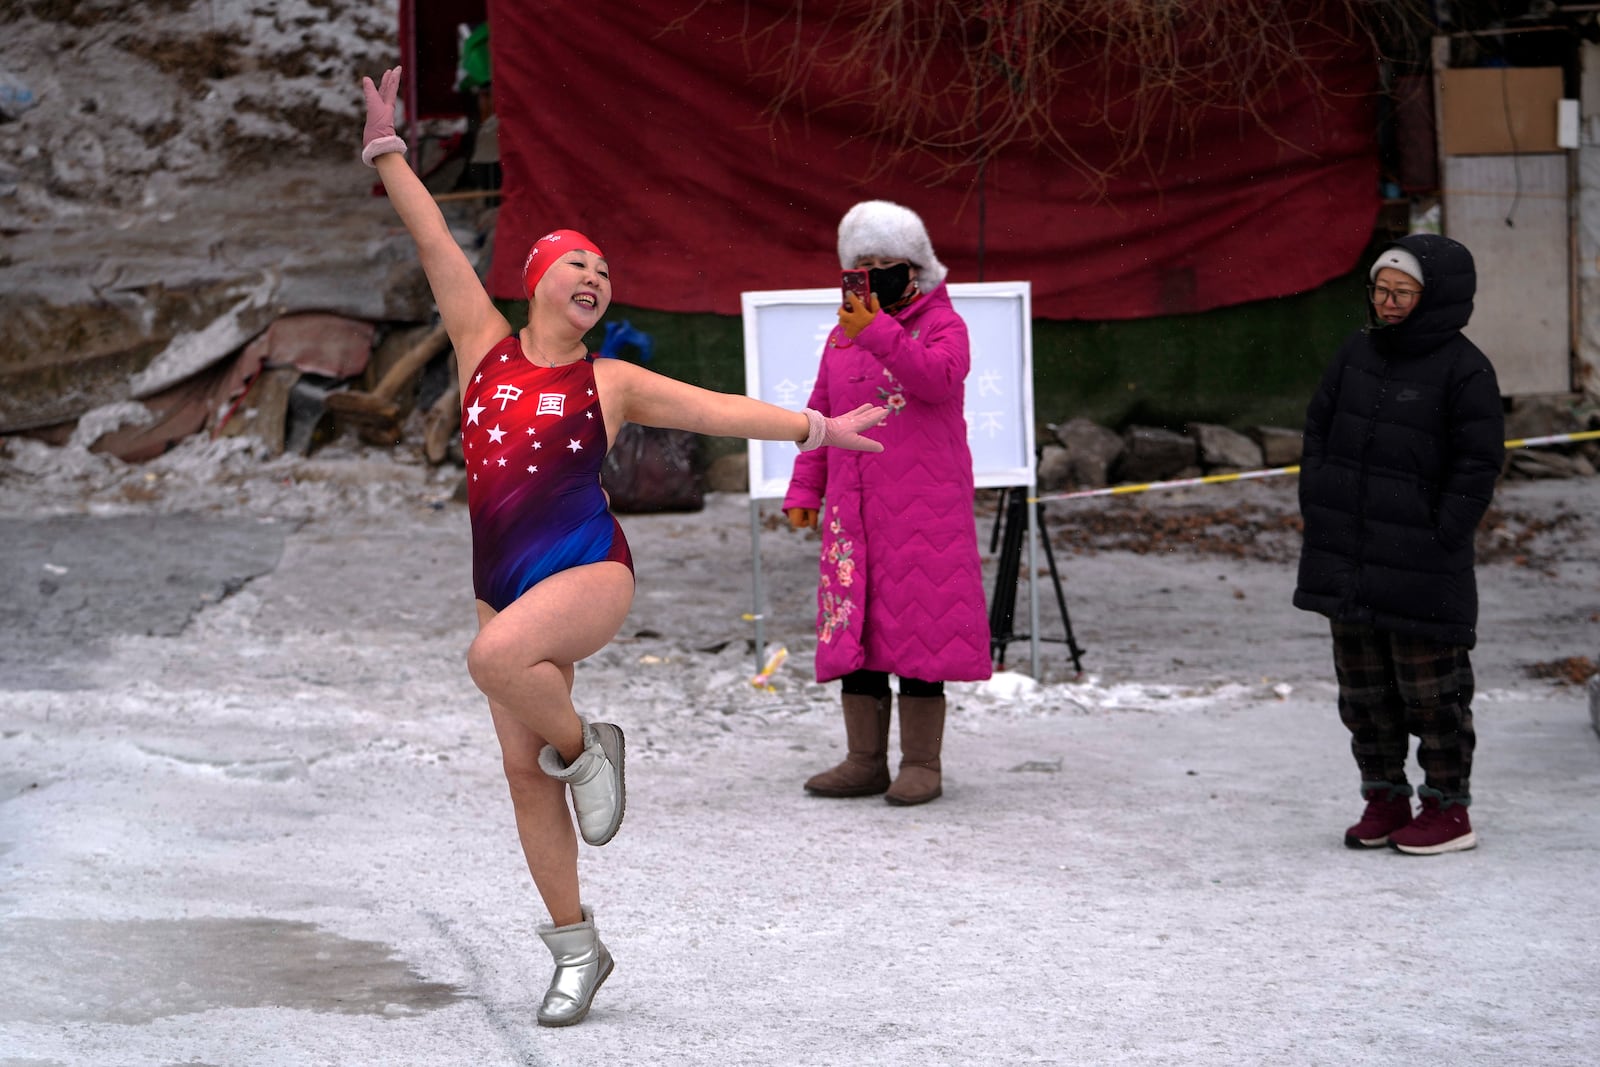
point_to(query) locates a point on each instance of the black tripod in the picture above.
(1010, 528)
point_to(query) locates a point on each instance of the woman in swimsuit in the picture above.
(551, 569)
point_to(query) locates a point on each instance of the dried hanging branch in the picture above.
(958, 82)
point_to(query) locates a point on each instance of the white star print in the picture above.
(496, 434)
(501, 462)
(504, 357)
(533, 470)
(575, 446)
(474, 411)
(537, 445)
(530, 431)
(589, 391)
(477, 377)
(588, 414)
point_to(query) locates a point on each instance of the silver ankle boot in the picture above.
(582, 963)
(595, 778)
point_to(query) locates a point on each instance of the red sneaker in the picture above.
(1436, 829)
(1387, 811)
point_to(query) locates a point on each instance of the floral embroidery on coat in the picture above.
(837, 607)
(893, 395)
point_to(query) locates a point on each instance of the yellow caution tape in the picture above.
(1553, 439)
(1273, 472)
(1144, 487)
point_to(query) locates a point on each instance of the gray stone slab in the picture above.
(73, 581)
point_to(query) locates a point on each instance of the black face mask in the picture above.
(889, 284)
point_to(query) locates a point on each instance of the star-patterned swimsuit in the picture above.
(534, 440)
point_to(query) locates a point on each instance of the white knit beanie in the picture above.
(1400, 260)
(881, 228)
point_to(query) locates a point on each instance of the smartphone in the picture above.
(855, 281)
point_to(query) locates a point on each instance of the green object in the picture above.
(472, 64)
(1253, 364)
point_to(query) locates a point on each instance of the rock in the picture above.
(1221, 447)
(1055, 469)
(193, 351)
(1541, 416)
(130, 312)
(1153, 455)
(1538, 463)
(1091, 451)
(1279, 447)
(729, 473)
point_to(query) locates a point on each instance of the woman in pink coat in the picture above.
(901, 586)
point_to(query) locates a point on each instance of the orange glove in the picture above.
(801, 518)
(856, 316)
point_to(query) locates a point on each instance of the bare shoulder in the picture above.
(643, 396)
(618, 378)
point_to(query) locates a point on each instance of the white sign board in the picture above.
(784, 331)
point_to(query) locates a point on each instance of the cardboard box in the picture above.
(1476, 102)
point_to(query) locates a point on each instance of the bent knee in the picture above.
(491, 659)
(504, 668)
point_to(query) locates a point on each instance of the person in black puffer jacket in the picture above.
(1404, 441)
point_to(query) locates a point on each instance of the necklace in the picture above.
(530, 347)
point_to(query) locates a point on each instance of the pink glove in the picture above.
(844, 431)
(379, 137)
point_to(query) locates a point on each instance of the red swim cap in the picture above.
(547, 249)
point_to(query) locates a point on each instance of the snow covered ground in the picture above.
(250, 807)
(251, 811)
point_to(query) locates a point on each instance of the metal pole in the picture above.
(411, 90)
(1033, 583)
(757, 592)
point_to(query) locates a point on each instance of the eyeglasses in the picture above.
(1403, 298)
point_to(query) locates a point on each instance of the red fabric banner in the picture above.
(654, 133)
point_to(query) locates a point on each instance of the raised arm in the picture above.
(629, 393)
(931, 362)
(469, 316)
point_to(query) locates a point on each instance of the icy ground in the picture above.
(251, 811)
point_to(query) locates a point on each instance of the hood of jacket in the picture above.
(1450, 282)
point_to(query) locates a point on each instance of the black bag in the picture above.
(651, 469)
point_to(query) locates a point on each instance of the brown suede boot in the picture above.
(865, 770)
(921, 739)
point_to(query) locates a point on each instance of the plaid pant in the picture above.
(1392, 686)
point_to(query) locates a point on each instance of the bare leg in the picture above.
(544, 823)
(523, 661)
(522, 657)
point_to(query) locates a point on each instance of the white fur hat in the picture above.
(1401, 260)
(881, 228)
